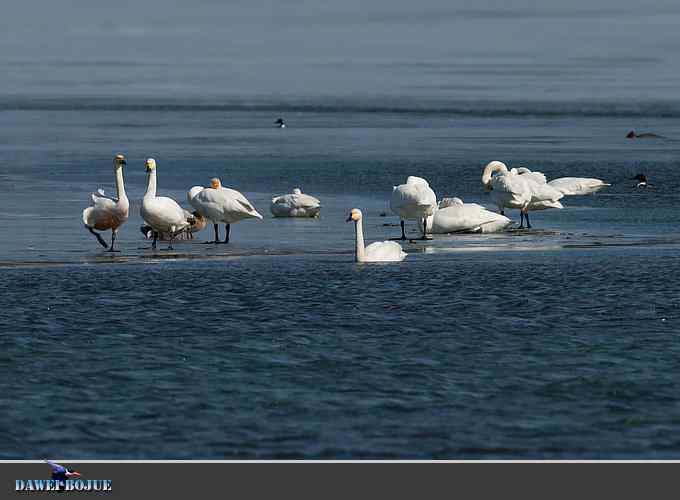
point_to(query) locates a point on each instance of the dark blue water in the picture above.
(560, 342)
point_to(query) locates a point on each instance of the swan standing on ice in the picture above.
(413, 200)
(296, 204)
(543, 196)
(163, 214)
(220, 204)
(383, 251)
(454, 216)
(108, 213)
(509, 189)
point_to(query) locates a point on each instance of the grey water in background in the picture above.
(557, 343)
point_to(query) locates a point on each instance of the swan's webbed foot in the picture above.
(98, 236)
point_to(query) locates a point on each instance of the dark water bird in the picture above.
(642, 181)
(280, 123)
(644, 135)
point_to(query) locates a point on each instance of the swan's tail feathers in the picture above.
(86, 217)
(98, 236)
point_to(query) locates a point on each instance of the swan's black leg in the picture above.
(521, 220)
(113, 240)
(227, 228)
(502, 212)
(425, 229)
(155, 238)
(403, 233)
(172, 237)
(528, 223)
(99, 238)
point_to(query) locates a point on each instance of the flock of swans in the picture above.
(516, 188)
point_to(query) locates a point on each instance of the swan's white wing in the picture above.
(384, 251)
(576, 186)
(468, 217)
(544, 192)
(537, 177)
(224, 205)
(413, 201)
(414, 181)
(164, 214)
(100, 195)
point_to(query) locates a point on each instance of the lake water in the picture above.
(559, 342)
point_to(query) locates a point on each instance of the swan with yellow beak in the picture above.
(163, 214)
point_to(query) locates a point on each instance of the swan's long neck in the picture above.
(360, 251)
(151, 187)
(120, 185)
(494, 166)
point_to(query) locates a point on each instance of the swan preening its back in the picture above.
(106, 212)
(383, 251)
(220, 204)
(413, 200)
(295, 204)
(163, 214)
(525, 192)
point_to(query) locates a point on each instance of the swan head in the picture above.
(297, 191)
(215, 183)
(354, 215)
(119, 161)
(494, 166)
(630, 135)
(150, 165)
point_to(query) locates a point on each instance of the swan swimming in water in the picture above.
(296, 204)
(413, 200)
(108, 213)
(163, 214)
(383, 251)
(454, 216)
(220, 204)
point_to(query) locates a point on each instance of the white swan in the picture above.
(543, 195)
(509, 189)
(454, 216)
(220, 204)
(296, 204)
(108, 213)
(413, 200)
(568, 186)
(163, 214)
(578, 186)
(383, 251)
